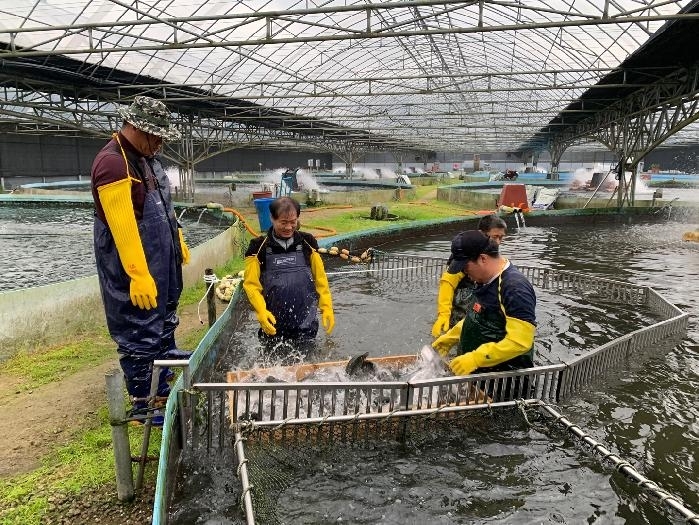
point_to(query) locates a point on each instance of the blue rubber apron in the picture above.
(172, 320)
(290, 294)
(138, 332)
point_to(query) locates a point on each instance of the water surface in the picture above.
(498, 469)
(47, 244)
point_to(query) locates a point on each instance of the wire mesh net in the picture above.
(276, 458)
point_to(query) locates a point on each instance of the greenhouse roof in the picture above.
(470, 76)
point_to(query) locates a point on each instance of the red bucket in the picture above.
(261, 194)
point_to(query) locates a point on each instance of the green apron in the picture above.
(481, 326)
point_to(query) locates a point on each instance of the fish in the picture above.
(427, 365)
(430, 365)
(358, 366)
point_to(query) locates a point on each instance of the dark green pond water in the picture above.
(497, 469)
(47, 244)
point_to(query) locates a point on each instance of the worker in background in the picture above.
(498, 331)
(454, 289)
(285, 282)
(138, 246)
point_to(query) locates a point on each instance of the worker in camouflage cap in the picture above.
(151, 116)
(139, 250)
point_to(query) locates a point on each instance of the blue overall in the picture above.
(138, 333)
(290, 294)
(172, 320)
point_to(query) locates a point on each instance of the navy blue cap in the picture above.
(467, 246)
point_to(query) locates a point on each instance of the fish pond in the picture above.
(499, 468)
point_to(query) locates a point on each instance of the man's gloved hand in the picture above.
(267, 322)
(143, 291)
(463, 365)
(440, 325)
(444, 342)
(183, 247)
(328, 318)
(442, 347)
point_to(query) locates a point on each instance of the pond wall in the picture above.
(39, 312)
(487, 201)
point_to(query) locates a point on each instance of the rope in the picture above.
(210, 280)
(521, 405)
(283, 423)
(240, 466)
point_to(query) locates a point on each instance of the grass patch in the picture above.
(191, 339)
(85, 463)
(358, 219)
(40, 367)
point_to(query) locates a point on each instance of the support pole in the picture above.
(243, 474)
(154, 380)
(120, 435)
(210, 296)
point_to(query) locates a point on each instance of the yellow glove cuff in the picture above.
(320, 280)
(445, 297)
(183, 247)
(452, 278)
(252, 285)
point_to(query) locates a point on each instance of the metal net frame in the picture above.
(288, 416)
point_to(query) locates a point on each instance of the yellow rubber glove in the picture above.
(519, 338)
(444, 343)
(445, 297)
(183, 247)
(464, 364)
(325, 302)
(253, 289)
(115, 198)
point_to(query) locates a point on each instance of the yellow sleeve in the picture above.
(183, 247)
(519, 338)
(252, 284)
(320, 280)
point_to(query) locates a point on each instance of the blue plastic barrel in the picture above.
(263, 214)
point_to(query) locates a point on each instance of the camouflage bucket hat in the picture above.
(151, 116)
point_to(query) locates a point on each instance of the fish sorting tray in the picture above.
(307, 393)
(303, 371)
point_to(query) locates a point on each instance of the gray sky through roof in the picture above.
(459, 76)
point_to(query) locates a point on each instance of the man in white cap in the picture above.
(138, 245)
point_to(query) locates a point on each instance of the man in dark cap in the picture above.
(455, 289)
(497, 333)
(139, 246)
